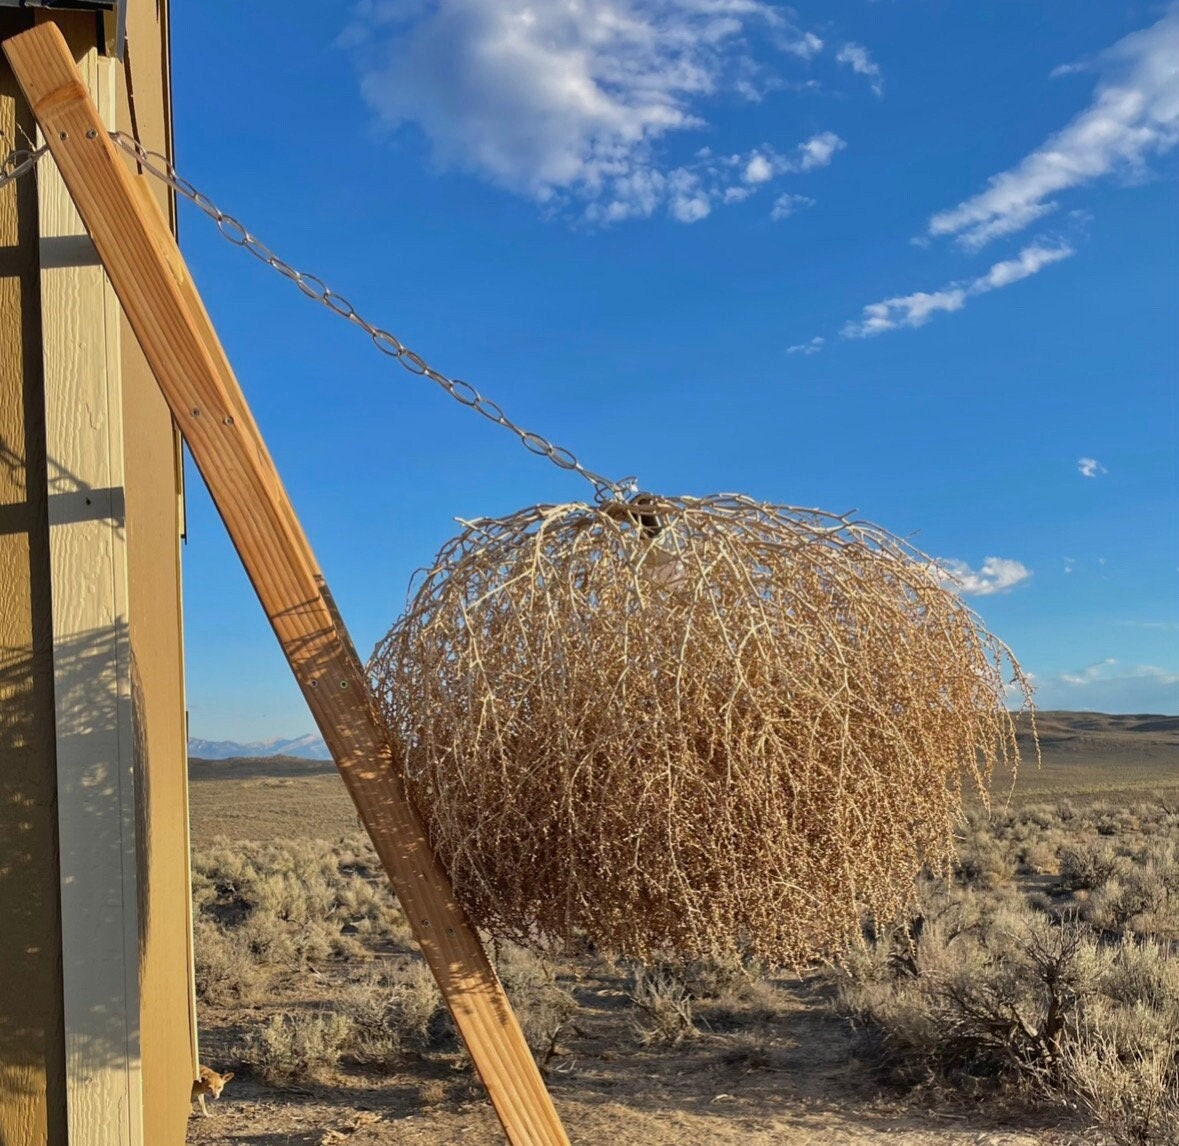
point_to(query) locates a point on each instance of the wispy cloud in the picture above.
(786, 205)
(1062, 70)
(856, 57)
(1110, 686)
(1134, 114)
(807, 348)
(1090, 467)
(996, 575)
(917, 309)
(573, 105)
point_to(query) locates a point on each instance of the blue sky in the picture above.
(912, 257)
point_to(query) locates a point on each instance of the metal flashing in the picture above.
(115, 8)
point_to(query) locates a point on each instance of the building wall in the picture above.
(32, 1057)
(154, 521)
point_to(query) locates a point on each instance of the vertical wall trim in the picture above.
(92, 670)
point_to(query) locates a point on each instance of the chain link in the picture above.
(388, 344)
(19, 161)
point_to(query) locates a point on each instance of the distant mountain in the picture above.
(308, 747)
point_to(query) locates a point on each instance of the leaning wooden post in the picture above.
(152, 283)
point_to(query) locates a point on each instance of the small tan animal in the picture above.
(210, 1083)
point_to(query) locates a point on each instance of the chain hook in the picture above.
(19, 161)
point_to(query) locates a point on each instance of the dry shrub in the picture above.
(699, 726)
(544, 1009)
(369, 1003)
(984, 862)
(1125, 904)
(989, 996)
(300, 1047)
(226, 969)
(418, 1013)
(1132, 1095)
(1086, 867)
(665, 1006)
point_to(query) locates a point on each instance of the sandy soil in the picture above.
(793, 1077)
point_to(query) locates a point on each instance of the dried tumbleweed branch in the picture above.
(716, 726)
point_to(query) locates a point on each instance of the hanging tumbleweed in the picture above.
(699, 726)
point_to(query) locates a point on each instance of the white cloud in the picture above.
(1134, 114)
(1088, 674)
(857, 58)
(1069, 69)
(759, 169)
(1109, 686)
(916, 309)
(997, 575)
(1070, 563)
(1090, 467)
(807, 348)
(1027, 262)
(574, 104)
(907, 310)
(805, 46)
(786, 205)
(817, 151)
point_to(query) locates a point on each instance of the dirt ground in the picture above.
(793, 1073)
(792, 1077)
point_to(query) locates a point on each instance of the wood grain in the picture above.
(149, 277)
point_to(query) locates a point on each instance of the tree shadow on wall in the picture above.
(64, 725)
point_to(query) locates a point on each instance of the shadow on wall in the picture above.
(93, 714)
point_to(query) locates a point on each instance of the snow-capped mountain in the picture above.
(308, 746)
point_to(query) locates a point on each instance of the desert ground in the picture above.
(1032, 996)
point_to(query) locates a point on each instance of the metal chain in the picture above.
(315, 288)
(19, 161)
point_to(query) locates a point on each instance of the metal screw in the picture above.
(229, 421)
(63, 135)
(196, 413)
(343, 684)
(92, 134)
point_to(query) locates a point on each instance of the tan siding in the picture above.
(32, 1063)
(96, 782)
(153, 517)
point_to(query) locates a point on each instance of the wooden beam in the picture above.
(96, 789)
(152, 283)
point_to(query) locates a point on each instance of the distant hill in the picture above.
(1134, 732)
(308, 747)
(1066, 732)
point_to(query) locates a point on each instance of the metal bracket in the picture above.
(114, 12)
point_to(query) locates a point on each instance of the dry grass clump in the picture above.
(692, 726)
(664, 1005)
(544, 1009)
(1064, 987)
